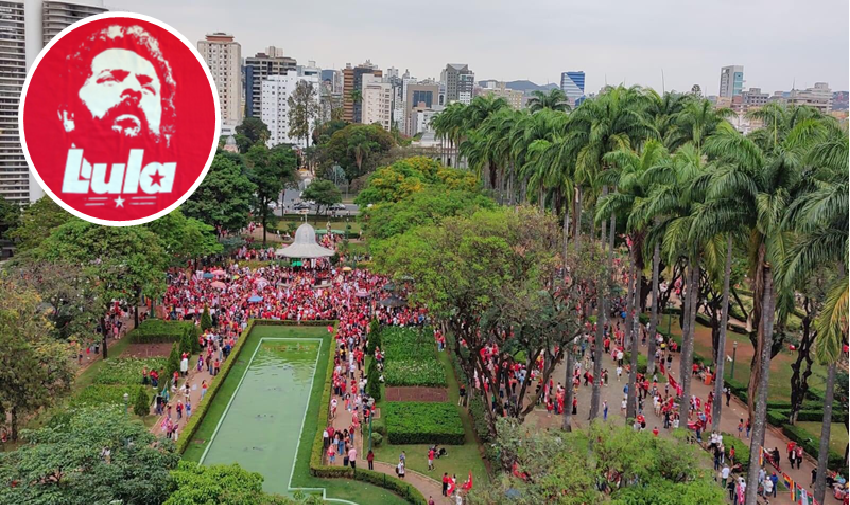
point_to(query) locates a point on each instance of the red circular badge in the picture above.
(119, 119)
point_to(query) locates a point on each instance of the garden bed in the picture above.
(416, 394)
(423, 423)
(147, 351)
(411, 358)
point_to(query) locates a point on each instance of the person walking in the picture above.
(352, 458)
(445, 483)
(370, 459)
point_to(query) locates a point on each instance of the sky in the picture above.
(779, 42)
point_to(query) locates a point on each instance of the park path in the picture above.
(195, 380)
(730, 417)
(429, 487)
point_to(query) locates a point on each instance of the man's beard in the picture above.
(122, 128)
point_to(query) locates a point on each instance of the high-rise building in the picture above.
(420, 96)
(459, 81)
(572, 84)
(819, 97)
(276, 90)
(840, 100)
(224, 59)
(377, 101)
(25, 28)
(754, 97)
(353, 86)
(731, 80)
(257, 68)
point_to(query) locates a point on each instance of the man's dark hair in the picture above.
(132, 38)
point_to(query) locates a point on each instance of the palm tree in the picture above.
(819, 217)
(696, 120)
(663, 110)
(555, 99)
(626, 172)
(765, 168)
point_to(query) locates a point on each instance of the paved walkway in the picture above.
(613, 394)
(426, 485)
(195, 380)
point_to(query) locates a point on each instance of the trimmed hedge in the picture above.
(810, 443)
(411, 358)
(110, 394)
(479, 418)
(780, 417)
(423, 423)
(157, 331)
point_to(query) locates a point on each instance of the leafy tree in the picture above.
(322, 133)
(37, 223)
(411, 175)
(356, 146)
(268, 169)
(34, 366)
(142, 404)
(616, 463)
(303, 111)
(185, 237)
(252, 131)
(89, 456)
(223, 200)
(66, 288)
(121, 263)
(10, 217)
(225, 485)
(427, 207)
(323, 192)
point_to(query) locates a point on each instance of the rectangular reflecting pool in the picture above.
(262, 422)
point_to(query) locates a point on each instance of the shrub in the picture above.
(777, 417)
(206, 320)
(378, 426)
(373, 385)
(479, 418)
(423, 423)
(157, 331)
(377, 439)
(641, 367)
(142, 406)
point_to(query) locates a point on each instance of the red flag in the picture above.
(330, 329)
(468, 484)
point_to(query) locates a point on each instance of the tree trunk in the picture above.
(685, 305)
(566, 229)
(541, 200)
(720, 360)
(631, 339)
(687, 360)
(568, 383)
(653, 324)
(800, 381)
(577, 214)
(823, 448)
(103, 328)
(14, 424)
(758, 422)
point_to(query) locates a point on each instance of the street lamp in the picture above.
(126, 401)
(370, 434)
(734, 349)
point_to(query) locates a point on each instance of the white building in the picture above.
(819, 97)
(275, 111)
(25, 28)
(224, 58)
(377, 96)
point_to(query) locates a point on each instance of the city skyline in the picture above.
(630, 52)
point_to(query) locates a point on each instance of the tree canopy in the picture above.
(251, 131)
(324, 192)
(356, 147)
(224, 199)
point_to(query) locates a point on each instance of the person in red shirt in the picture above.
(655, 431)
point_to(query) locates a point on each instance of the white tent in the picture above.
(304, 246)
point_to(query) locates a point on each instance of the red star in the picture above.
(156, 178)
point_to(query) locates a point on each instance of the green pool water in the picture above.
(262, 424)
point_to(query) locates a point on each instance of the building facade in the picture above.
(377, 101)
(224, 59)
(257, 68)
(498, 89)
(276, 90)
(352, 85)
(459, 81)
(731, 80)
(572, 84)
(25, 28)
(819, 97)
(420, 96)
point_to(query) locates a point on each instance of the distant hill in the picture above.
(528, 86)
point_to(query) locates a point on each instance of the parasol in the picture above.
(218, 272)
(218, 285)
(255, 299)
(208, 275)
(393, 301)
(346, 269)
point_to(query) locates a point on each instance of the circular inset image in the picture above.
(119, 119)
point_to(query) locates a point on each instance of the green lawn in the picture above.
(779, 385)
(837, 434)
(359, 492)
(460, 460)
